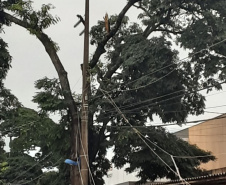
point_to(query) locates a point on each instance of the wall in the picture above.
(211, 136)
(183, 134)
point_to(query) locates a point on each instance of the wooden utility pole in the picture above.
(85, 88)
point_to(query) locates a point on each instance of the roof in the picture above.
(219, 178)
(217, 117)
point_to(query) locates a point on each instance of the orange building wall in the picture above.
(211, 136)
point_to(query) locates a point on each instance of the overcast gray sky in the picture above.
(30, 61)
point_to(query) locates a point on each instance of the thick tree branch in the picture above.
(112, 69)
(116, 60)
(100, 48)
(149, 29)
(50, 49)
(155, 26)
(100, 139)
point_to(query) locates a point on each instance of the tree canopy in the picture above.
(141, 74)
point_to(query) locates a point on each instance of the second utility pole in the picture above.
(85, 89)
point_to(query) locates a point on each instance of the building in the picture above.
(210, 136)
(216, 179)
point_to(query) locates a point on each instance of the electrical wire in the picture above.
(157, 124)
(79, 168)
(39, 175)
(182, 60)
(197, 156)
(146, 101)
(150, 73)
(152, 82)
(172, 111)
(140, 135)
(76, 82)
(31, 167)
(112, 102)
(194, 121)
(162, 96)
(169, 104)
(158, 97)
(196, 129)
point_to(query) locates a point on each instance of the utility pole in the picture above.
(85, 89)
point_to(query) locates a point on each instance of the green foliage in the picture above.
(38, 20)
(143, 76)
(8, 102)
(32, 131)
(143, 160)
(50, 178)
(50, 98)
(21, 169)
(5, 60)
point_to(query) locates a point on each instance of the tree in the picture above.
(20, 170)
(142, 74)
(8, 103)
(32, 131)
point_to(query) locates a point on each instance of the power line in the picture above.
(158, 124)
(39, 175)
(162, 125)
(76, 82)
(179, 62)
(172, 111)
(31, 167)
(182, 91)
(140, 136)
(159, 103)
(152, 82)
(198, 156)
(151, 73)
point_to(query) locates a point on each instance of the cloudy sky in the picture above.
(30, 61)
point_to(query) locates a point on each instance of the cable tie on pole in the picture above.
(84, 169)
(85, 155)
(85, 105)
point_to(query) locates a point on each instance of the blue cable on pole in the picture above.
(71, 162)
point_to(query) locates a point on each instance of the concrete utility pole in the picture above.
(85, 88)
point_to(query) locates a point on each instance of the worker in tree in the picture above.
(107, 23)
